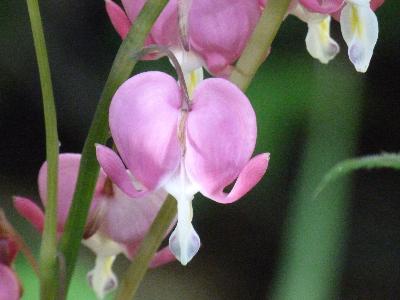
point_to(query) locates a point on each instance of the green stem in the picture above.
(138, 268)
(259, 44)
(121, 69)
(48, 250)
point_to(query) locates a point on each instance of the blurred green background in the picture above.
(276, 243)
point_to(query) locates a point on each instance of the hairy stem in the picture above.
(48, 250)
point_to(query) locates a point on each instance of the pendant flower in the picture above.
(10, 287)
(319, 43)
(182, 146)
(116, 223)
(358, 22)
(217, 31)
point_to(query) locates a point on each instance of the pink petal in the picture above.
(68, 164)
(9, 284)
(165, 31)
(375, 4)
(30, 211)
(133, 8)
(322, 6)
(219, 30)
(115, 169)
(221, 135)
(248, 178)
(127, 219)
(262, 3)
(118, 18)
(8, 250)
(162, 257)
(144, 114)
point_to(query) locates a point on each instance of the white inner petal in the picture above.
(319, 43)
(102, 245)
(102, 279)
(192, 79)
(188, 60)
(359, 27)
(184, 242)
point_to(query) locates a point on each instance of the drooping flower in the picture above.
(358, 23)
(217, 31)
(184, 147)
(318, 41)
(359, 26)
(10, 288)
(116, 223)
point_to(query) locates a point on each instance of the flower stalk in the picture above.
(98, 133)
(259, 44)
(48, 250)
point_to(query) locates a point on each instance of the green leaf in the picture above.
(378, 161)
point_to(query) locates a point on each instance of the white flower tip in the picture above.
(184, 243)
(360, 30)
(318, 41)
(358, 57)
(101, 279)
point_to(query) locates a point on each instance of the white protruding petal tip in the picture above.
(318, 41)
(184, 243)
(360, 30)
(102, 279)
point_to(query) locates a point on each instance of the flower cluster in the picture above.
(116, 223)
(180, 137)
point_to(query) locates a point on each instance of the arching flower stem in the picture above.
(183, 22)
(161, 51)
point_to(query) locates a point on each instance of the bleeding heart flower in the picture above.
(116, 223)
(185, 148)
(10, 288)
(217, 31)
(359, 27)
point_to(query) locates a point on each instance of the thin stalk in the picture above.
(138, 268)
(260, 42)
(48, 249)
(98, 133)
